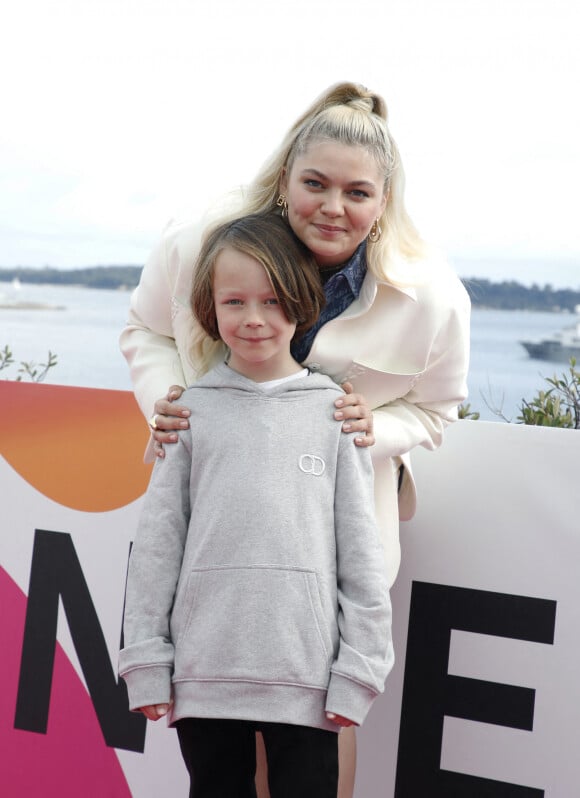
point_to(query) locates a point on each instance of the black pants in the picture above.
(220, 756)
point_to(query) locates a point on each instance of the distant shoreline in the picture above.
(16, 305)
(505, 295)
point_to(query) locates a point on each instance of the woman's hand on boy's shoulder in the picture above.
(167, 418)
(340, 720)
(155, 711)
(356, 415)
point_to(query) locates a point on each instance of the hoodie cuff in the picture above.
(348, 698)
(147, 686)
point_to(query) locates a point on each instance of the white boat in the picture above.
(559, 348)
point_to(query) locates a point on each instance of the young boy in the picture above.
(257, 596)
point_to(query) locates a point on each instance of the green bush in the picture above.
(465, 412)
(559, 405)
(556, 406)
(27, 369)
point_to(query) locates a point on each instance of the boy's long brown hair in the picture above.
(289, 264)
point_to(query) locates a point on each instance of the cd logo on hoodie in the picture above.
(311, 464)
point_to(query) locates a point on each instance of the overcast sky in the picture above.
(120, 114)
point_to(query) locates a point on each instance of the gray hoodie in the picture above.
(257, 586)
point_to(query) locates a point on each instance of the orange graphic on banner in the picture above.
(81, 447)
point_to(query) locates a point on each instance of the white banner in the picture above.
(484, 695)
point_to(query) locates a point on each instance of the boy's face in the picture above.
(250, 319)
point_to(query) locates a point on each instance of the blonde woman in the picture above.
(396, 322)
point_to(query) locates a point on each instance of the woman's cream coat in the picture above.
(405, 349)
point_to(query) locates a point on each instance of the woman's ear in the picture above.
(283, 182)
(385, 200)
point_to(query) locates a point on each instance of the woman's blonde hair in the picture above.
(349, 114)
(289, 264)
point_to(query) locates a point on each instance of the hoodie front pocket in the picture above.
(259, 623)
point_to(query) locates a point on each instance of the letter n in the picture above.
(56, 573)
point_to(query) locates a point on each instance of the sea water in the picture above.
(82, 325)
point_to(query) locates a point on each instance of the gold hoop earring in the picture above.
(375, 232)
(282, 202)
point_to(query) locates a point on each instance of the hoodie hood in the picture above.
(222, 376)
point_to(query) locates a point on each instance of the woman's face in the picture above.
(334, 193)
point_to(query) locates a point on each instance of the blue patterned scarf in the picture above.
(341, 289)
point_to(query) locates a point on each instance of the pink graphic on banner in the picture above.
(71, 759)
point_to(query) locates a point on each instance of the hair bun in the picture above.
(361, 104)
(360, 98)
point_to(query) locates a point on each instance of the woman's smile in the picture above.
(328, 229)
